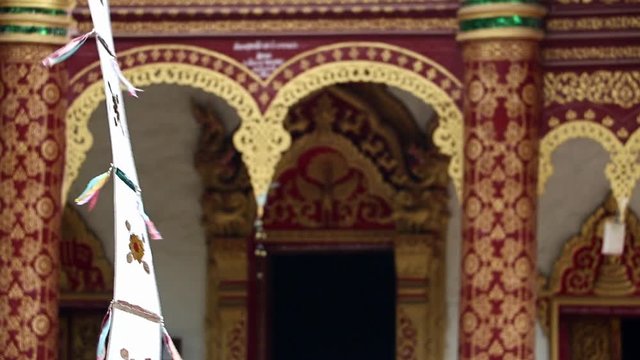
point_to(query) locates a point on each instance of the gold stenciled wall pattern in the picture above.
(498, 254)
(32, 142)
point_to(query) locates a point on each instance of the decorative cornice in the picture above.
(43, 4)
(592, 53)
(489, 10)
(594, 23)
(270, 8)
(207, 27)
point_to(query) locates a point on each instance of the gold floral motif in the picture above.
(276, 26)
(446, 136)
(338, 164)
(622, 171)
(499, 196)
(29, 259)
(136, 247)
(592, 53)
(628, 22)
(621, 88)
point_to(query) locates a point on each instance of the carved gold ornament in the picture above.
(621, 88)
(627, 22)
(79, 138)
(261, 137)
(622, 170)
(447, 136)
(592, 53)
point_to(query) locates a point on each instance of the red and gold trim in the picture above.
(32, 147)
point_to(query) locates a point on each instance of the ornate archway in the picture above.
(263, 104)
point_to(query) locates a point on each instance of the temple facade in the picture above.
(334, 179)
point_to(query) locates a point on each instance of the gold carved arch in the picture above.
(621, 170)
(261, 138)
(447, 136)
(199, 74)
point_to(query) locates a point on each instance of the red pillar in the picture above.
(32, 147)
(502, 111)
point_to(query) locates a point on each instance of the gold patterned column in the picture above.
(502, 110)
(32, 142)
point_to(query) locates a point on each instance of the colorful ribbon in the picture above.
(92, 191)
(101, 351)
(66, 51)
(133, 91)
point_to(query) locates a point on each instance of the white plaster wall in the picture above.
(164, 137)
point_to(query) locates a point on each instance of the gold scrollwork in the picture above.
(622, 171)
(631, 22)
(261, 138)
(592, 53)
(621, 88)
(447, 136)
(79, 139)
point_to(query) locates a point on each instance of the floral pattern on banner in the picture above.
(500, 163)
(31, 162)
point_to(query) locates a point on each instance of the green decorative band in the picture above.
(32, 30)
(500, 22)
(30, 10)
(484, 2)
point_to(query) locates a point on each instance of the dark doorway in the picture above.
(630, 328)
(338, 306)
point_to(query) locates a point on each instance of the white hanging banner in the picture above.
(136, 320)
(133, 327)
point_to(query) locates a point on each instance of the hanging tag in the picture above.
(613, 240)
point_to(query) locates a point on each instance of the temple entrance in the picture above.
(331, 305)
